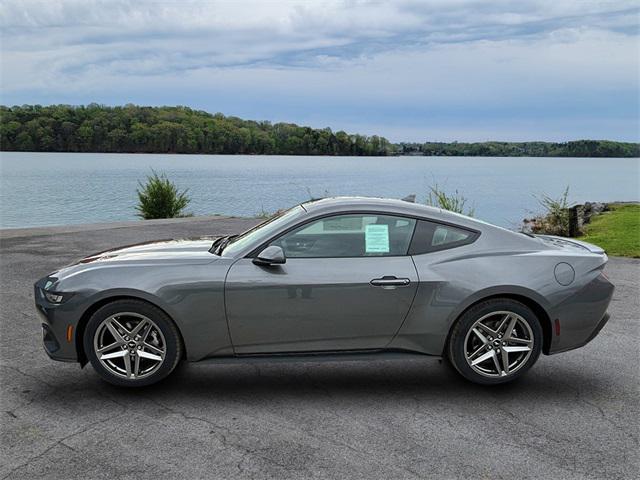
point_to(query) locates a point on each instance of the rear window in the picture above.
(432, 236)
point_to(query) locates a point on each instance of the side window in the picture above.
(443, 235)
(431, 237)
(357, 235)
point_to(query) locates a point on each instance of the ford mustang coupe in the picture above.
(338, 278)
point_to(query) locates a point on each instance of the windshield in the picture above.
(260, 233)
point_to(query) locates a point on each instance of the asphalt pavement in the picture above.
(574, 415)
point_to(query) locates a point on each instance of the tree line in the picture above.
(578, 148)
(136, 129)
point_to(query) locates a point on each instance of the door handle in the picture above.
(390, 281)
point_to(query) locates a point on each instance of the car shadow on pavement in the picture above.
(370, 381)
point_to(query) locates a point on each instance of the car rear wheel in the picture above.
(132, 343)
(495, 341)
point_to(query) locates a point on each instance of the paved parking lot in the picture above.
(575, 415)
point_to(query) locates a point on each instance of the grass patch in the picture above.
(617, 231)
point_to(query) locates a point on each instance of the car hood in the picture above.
(132, 260)
(157, 252)
(182, 250)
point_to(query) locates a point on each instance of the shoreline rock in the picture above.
(568, 223)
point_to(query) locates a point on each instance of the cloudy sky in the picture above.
(409, 70)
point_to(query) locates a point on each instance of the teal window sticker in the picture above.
(376, 239)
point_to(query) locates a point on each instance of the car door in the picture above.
(347, 284)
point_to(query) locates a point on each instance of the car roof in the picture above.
(390, 205)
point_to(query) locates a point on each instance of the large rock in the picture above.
(583, 213)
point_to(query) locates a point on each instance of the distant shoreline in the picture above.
(293, 155)
(180, 130)
(56, 229)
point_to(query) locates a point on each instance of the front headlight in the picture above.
(56, 297)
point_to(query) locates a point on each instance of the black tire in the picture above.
(457, 347)
(172, 343)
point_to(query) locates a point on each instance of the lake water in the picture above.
(38, 189)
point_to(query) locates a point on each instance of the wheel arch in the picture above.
(525, 298)
(105, 300)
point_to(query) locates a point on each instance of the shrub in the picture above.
(555, 218)
(264, 214)
(454, 202)
(160, 198)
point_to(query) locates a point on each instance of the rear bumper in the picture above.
(603, 321)
(599, 327)
(580, 318)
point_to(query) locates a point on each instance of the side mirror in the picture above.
(272, 255)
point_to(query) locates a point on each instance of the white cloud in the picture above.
(308, 59)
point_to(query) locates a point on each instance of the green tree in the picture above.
(132, 128)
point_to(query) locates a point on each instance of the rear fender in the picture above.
(429, 321)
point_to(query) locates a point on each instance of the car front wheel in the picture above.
(132, 343)
(495, 341)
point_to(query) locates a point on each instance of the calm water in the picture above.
(58, 188)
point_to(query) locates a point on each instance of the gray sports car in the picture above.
(339, 278)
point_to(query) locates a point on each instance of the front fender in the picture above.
(192, 295)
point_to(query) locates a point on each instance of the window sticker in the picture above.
(376, 239)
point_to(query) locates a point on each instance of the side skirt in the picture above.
(344, 356)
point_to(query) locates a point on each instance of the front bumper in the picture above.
(58, 326)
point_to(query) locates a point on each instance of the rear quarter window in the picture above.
(433, 236)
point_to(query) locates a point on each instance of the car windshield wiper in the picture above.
(220, 244)
(215, 243)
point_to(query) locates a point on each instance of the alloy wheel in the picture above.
(130, 345)
(498, 344)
